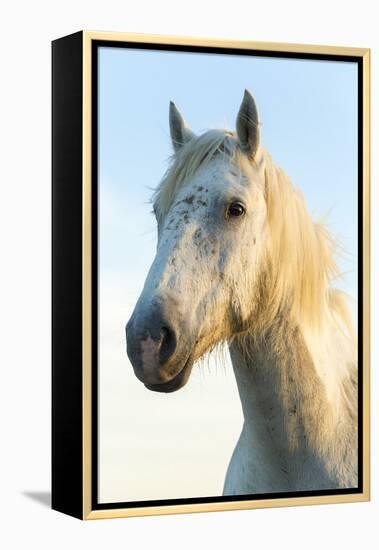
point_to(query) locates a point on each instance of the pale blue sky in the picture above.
(309, 125)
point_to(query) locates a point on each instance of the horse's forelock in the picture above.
(185, 162)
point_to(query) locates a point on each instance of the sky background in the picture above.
(157, 446)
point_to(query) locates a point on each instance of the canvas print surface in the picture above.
(227, 275)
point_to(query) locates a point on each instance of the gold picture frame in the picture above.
(73, 75)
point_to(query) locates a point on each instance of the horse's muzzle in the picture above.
(152, 347)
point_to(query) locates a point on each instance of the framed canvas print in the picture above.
(210, 275)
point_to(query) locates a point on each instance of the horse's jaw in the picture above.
(176, 383)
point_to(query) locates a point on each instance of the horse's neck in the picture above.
(299, 412)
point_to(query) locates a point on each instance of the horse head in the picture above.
(210, 209)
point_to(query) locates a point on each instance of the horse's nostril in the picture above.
(167, 345)
(165, 333)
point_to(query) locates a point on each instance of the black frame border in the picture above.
(67, 253)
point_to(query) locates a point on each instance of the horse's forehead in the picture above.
(191, 200)
(218, 176)
(200, 198)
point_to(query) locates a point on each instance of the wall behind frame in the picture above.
(28, 29)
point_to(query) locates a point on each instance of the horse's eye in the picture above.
(236, 209)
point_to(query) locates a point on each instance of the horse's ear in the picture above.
(248, 125)
(179, 130)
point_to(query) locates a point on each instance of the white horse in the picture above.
(239, 260)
